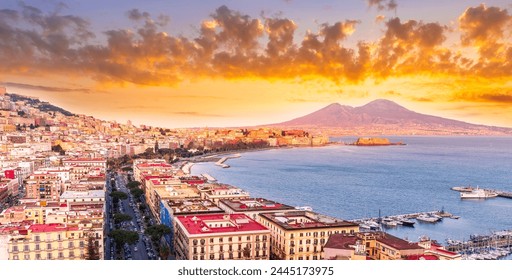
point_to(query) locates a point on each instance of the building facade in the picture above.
(221, 237)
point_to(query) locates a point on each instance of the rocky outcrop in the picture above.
(374, 141)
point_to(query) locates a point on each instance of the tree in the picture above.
(118, 195)
(137, 193)
(92, 248)
(157, 231)
(247, 252)
(164, 251)
(133, 184)
(119, 218)
(122, 237)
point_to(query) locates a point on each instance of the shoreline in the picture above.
(187, 163)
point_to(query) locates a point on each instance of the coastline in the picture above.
(187, 163)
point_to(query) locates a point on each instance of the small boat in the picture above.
(407, 222)
(427, 218)
(463, 189)
(389, 222)
(478, 194)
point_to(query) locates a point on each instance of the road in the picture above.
(142, 250)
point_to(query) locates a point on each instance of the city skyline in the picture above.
(237, 63)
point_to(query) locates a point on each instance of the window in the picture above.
(71, 244)
(49, 246)
(15, 248)
(61, 255)
(26, 257)
(49, 256)
(71, 254)
(38, 256)
(25, 248)
(15, 257)
(81, 244)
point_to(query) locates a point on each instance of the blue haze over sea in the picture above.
(351, 182)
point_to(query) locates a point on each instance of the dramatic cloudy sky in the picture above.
(227, 63)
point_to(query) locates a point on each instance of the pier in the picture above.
(375, 223)
(221, 161)
(500, 193)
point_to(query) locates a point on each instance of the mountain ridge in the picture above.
(385, 116)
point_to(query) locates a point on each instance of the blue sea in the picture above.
(351, 182)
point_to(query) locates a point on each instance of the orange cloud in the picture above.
(231, 45)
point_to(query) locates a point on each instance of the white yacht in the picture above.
(477, 194)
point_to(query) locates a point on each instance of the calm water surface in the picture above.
(352, 182)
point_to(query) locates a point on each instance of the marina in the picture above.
(407, 220)
(483, 247)
(472, 192)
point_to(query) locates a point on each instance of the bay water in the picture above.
(351, 182)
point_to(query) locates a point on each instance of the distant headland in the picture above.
(375, 141)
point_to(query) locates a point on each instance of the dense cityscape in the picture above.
(75, 187)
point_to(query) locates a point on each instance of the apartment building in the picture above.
(171, 208)
(43, 242)
(252, 207)
(301, 235)
(371, 245)
(216, 192)
(221, 237)
(43, 185)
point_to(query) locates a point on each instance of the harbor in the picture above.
(408, 220)
(494, 246)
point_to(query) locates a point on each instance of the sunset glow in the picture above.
(226, 63)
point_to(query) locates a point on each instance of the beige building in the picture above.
(220, 237)
(373, 246)
(44, 186)
(217, 192)
(44, 242)
(252, 207)
(301, 235)
(159, 189)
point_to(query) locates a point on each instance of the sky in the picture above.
(239, 63)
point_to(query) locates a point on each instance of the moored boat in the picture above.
(478, 194)
(407, 222)
(428, 218)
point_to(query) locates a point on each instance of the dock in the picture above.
(500, 193)
(221, 161)
(397, 220)
(479, 247)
